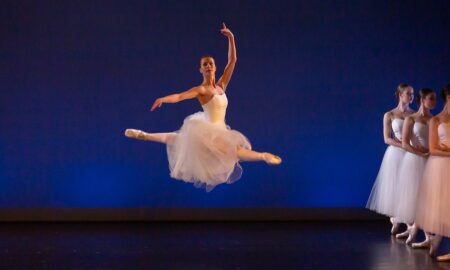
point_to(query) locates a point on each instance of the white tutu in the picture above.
(204, 153)
(382, 199)
(408, 182)
(433, 205)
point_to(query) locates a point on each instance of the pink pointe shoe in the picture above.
(443, 258)
(395, 225)
(424, 244)
(412, 235)
(271, 159)
(134, 133)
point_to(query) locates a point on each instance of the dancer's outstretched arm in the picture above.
(436, 149)
(232, 58)
(174, 98)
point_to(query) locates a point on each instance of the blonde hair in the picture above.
(401, 88)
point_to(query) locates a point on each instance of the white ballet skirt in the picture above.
(204, 150)
(382, 199)
(433, 205)
(410, 176)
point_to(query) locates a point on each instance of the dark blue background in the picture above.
(312, 82)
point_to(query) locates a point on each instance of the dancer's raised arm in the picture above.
(232, 58)
(174, 98)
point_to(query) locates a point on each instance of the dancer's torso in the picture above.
(419, 135)
(444, 134)
(215, 109)
(397, 126)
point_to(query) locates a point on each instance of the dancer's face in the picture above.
(407, 96)
(429, 101)
(207, 66)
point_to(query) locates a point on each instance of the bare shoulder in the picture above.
(410, 119)
(435, 120)
(388, 115)
(221, 89)
(200, 90)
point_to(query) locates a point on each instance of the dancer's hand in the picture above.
(158, 103)
(225, 31)
(422, 149)
(443, 147)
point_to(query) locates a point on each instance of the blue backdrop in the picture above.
(312, 82)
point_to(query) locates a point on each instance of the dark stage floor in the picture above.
(270, 245)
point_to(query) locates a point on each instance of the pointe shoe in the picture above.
(424, 244)
(443, 258)
(271, 159)
(395, 226)
(403, 234)
(134, 133)
(412, 235)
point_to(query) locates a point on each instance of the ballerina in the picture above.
(382, 198)
(415, 142)
(205, 151)
(432, 213)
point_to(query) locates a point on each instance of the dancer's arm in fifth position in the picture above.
(232, 58)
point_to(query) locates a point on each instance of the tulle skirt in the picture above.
(382, 199)
(433, 205)
(409, 178)
(204, 153)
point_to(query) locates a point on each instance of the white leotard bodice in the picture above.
(419, 135)
(444, 134)
(215, 109)
(397, 126)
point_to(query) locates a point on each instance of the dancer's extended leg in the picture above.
(154, 137)
(250, 155)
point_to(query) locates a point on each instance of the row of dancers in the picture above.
(413, 183)
(205, 151)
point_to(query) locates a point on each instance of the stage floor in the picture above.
(209, 245)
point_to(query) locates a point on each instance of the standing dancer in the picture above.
(205, 151)
(433, 203)
(382, 199)
(415, 142)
